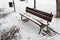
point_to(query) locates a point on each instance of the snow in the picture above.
(28, 30)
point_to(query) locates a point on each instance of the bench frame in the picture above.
(40, 24)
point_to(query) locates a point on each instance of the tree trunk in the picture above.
(58, 8)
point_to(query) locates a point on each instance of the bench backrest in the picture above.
(41, 14)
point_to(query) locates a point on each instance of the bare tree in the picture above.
(10, 34)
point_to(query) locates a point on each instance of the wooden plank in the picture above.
(40, 12)
(34, 20)
(39, 15)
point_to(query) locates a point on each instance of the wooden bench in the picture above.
(40, 14)
(43, 15)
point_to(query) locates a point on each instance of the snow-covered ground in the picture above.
(28, 30)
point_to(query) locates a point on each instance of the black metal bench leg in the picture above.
(21, 17)
(26, 20)
(40, 30)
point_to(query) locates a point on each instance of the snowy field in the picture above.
(28, 30)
